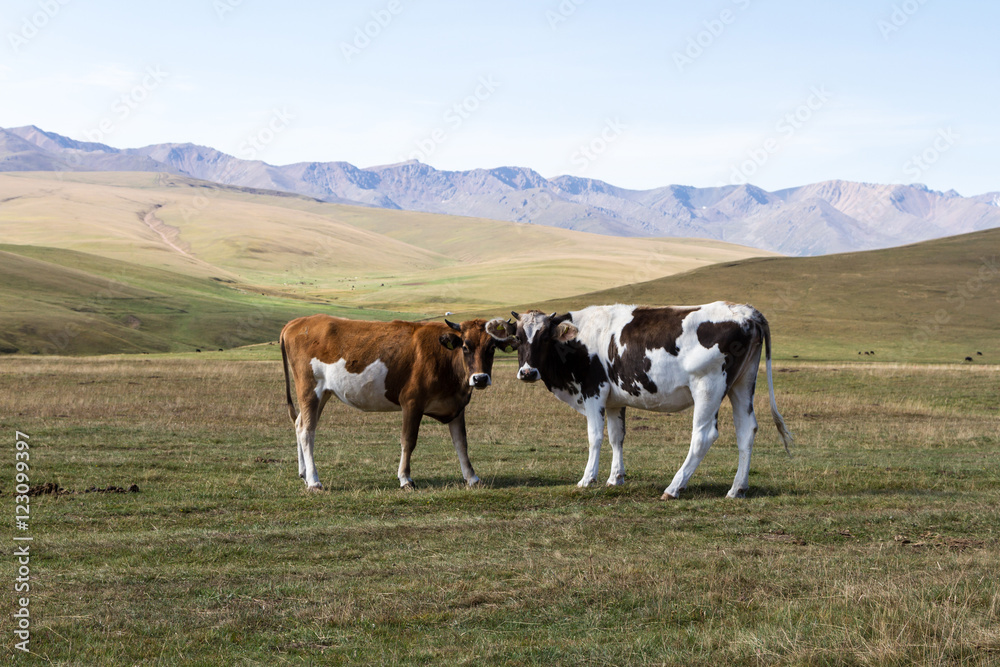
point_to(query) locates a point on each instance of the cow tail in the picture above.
(779, 422)
(288, 388)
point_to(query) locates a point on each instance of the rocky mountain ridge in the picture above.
(815, 219)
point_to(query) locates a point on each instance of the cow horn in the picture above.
(552, 315)
(516, 316)
(454, 326)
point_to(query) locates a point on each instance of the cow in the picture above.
(417, 368)
(603, 359)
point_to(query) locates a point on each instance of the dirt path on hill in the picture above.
(170, 235)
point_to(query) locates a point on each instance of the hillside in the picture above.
(347, 255)
(821, 218)
(66, 302)
(932, 301)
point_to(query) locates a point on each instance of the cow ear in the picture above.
(503, 334)
(565, 332)
(500, 329)
(450, 341)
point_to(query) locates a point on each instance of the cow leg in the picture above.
(745, 421)
(459, 437)
(595, 434)
(707, 394)
(616, 436)
(408, 442)
(305, 436)
(298, 446)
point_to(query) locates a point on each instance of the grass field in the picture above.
(342, 255)
(99, 263)
(876, 543)
(57, 301)
(936, 301)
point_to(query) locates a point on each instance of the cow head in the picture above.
(477, 348)
(533, 334)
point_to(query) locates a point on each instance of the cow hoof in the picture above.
(409, 486)
(617, 481)
(667, 496)
(584, 483)
(474, 483)
(738, 493)
(315, 487)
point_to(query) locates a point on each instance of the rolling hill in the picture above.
(932, 301)
(58, 301)
(348, 255)
(101, 262)
(108, 262)
(832, 216)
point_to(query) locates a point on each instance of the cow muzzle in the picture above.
(480, 380)
(528, 374)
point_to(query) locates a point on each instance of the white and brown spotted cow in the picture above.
(603, 359)
(419, 369)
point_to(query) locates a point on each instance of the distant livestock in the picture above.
(603, 359)
(419, 369)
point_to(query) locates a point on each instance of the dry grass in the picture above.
(931, 302)
(875, 544)
(355, 256)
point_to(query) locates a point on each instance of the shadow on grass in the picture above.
(447, 483)
(491, 482)
(634, 488)
(716, 490)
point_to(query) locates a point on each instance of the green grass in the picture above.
(257, 260)
(928, 302)
(66, 302)
(352, 256)
(875, 544)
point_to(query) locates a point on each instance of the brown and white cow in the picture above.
(603, 359)
(419, 369)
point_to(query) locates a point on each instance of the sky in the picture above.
(777, 93)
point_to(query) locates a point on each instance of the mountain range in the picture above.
(821, 218)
